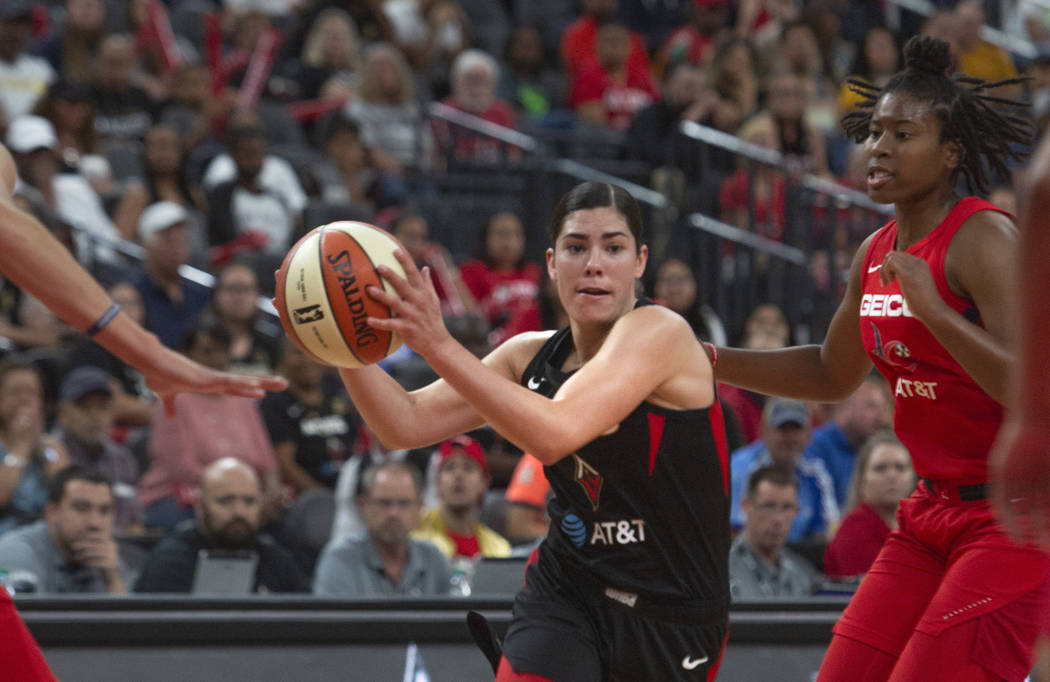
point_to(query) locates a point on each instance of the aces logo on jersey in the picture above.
(589, 479)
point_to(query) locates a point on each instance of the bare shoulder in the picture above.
(984, 247)
(513, 356)
(655, 329)
(986, 228)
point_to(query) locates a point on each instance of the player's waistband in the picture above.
(690, 611)
(954, 491)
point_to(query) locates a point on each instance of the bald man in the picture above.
(228, 512)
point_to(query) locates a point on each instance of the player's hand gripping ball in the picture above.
(322, 298)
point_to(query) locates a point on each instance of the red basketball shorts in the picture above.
(947, 563)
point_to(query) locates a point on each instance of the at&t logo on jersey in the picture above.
(906, 388)
(884, 305)
(618, 532)
(574, 529)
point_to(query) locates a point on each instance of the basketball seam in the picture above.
(328, 297)
(389, 312)
(291, 325)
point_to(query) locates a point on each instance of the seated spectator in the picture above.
(172, 304)
(72, 48)
(501, 279)
(204, 428)
(475, 75)
(979, 58)
(532, 86)
(258, 206)
(882, 478)
(313, 426)
(754, 198)
(70, 108)
(28, 458)
(194, 109)
(578, 45)
(387, 561)
(85, 417)
(228, 517)
(676, 287)
(72, 550)
(734, 76)
(331, 52)
(852, 423)
(527, 495)
(164, 179)
(760, 565)
(23, 77)
(132, 399)
(695, 42)
(124, 112)
(875, 63)
(386, 109)
(608, 91)
(454, 525)
(785, 435)
(353, 173)
(348, 521)
(256, 344)
(413, 231)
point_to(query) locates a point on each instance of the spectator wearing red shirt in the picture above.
(475, 75)
(505, 285)
(695, 42)
(579, 42)
(611, 89)
(881, 478)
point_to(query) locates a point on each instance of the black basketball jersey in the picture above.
(644, 507)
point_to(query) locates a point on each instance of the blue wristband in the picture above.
(106, 318)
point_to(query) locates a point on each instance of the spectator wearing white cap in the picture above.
(23, 77)
(34, 146)
(172, 303)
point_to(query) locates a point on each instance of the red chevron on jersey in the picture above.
(589, 479)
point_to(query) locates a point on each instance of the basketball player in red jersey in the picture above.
(36, 262)
(930, 302)
(631, 582)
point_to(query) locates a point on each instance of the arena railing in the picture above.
(799, 265)
(996, 36)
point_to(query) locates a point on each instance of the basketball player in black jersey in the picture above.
(632, 581)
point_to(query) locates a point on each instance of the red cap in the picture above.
(467, 446)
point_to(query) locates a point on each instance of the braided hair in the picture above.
(988, 129)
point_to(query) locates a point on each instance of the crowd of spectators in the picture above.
(218, 143)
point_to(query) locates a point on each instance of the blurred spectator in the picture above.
(734, 76)
(882, 478)
(654, 21)
(801, 143)
(760, 565)
(387, 561)
(798, 53)
(32, 325)
(258, 206)
(124, 112)
(609, 90)
(229, 514)
(331, 56)
(448, 34)
(85, 417)
(876, 61)
(28, 458)
(34, 146)
(256, 344)
(353, 174)
(785, 435)
(72, 49)
(194, 109)
(172, 304)
(503, 281)
(489, 23)
(475, 75)
(387, 111)
(70, 108)
(413, 231)
(313, 426)
(836, 54)
(944, 25)
(1027, 19)
(676, 287)
(204, 428)
(454, 525)
(762, 22)
(72, 550)
(579, 41)
(132, 400)
(695, 43)
(528, 81)
(977, 57)
(527, 495)
(853, 421)
(163, 178)
(370, 452)
(754, 198)
(23, 77)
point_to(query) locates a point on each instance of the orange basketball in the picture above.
(321, 293)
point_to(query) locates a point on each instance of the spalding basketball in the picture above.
(321, 293)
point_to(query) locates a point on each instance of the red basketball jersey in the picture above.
(942, 416)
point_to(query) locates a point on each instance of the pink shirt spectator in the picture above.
(204, 429)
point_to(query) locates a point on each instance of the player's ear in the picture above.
(550, 264)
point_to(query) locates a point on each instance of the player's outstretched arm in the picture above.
(649, 354)
(1020, 462)
(826, 373)
(35, 261)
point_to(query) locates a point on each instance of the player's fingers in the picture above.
(411, 271)
(380, 295)
(401, 285)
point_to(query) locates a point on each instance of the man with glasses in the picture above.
(760, 565)
(386, 562)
